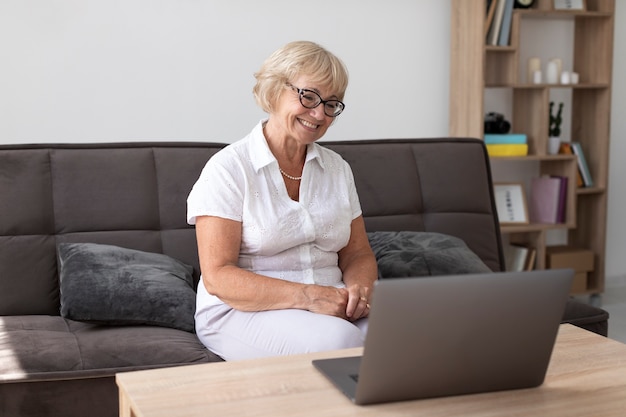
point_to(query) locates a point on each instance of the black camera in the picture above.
(495, 123)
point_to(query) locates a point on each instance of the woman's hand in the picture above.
(350, 303)
(358, 264)
(358, 302)
(327, 300)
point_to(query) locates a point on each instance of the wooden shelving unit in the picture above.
(476, 67)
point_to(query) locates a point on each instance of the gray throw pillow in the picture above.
(113, 285)
(414, 254)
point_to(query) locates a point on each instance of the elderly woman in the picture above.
(286, 263)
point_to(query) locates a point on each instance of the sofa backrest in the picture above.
(134, 195)
(131, 195)
(439, 185)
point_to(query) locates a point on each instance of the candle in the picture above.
(552, 72)
(534, 65)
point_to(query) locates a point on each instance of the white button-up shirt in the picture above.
(292, 240)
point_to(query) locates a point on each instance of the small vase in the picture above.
(554, 143)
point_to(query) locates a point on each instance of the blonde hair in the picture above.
(291, 61)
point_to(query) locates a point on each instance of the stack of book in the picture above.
(506, 144)
(498, 22)
(548, 199)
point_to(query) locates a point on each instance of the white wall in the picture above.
(117, 70)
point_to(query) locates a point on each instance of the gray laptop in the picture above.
(453, 335)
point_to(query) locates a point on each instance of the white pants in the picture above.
(235, 334)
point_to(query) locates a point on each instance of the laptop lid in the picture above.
(452, 335)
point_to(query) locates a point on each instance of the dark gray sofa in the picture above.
(133, 195)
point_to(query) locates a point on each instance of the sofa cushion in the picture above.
(52, 348)
(112, 285)
(413, 254)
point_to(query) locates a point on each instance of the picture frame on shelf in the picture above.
(511, 203)
(569, 5)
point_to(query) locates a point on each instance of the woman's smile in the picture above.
(308, 124)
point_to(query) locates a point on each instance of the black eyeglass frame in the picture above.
(302, 91)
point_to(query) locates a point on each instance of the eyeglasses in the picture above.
(310, 100)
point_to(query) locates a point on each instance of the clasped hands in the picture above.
(351, 303)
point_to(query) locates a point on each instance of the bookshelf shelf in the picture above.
(476, 67)
(554, 86)
(535, 227)
(500, 49)
(590, 190)
(563, 14)
(528, 158)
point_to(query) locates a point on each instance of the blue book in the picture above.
(505, 138)
(505, 29)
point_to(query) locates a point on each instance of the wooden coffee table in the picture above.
(586, 377)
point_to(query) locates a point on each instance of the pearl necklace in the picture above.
(289, 176)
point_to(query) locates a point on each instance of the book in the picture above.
(566, 148)
(544, 199)
(515, 257)
(505, 28)
(491, 8)
(515, 149)
(494, 30)
(582, 164)
(505, 138)
(562, 206)
(530, 259)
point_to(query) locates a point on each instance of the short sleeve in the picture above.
(355, 203)
(218, 191)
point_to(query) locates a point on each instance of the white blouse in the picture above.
(292, 240)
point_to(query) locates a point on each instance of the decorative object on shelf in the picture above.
(555, 120)
(569, 77)
(554, 130)
(554, 143)
(496, 123)
(511, 203)
(524, 4)
(534, 68)
(569, 5)
(553, 71)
